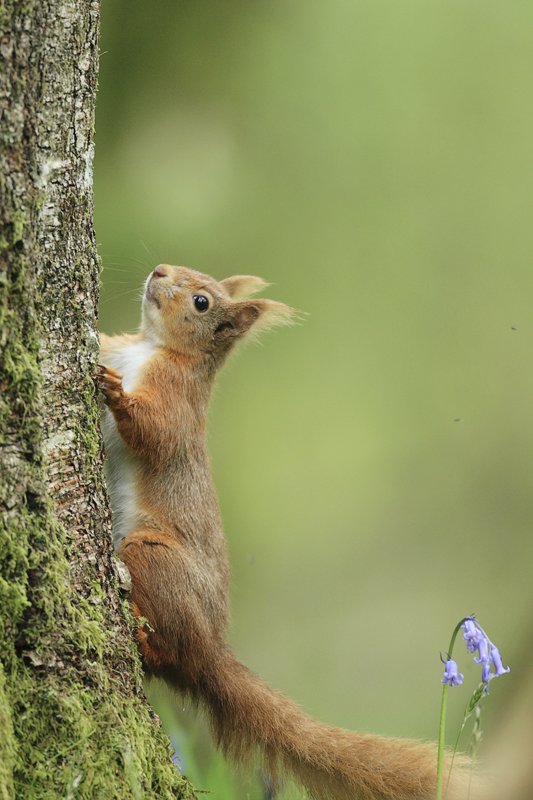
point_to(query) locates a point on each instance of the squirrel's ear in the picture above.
(239, 286)
(256, 314)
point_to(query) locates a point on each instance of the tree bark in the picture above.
(73, 719)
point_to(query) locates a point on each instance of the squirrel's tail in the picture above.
(248, 716)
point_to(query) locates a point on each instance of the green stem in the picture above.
(466, 716)
(442, 741)
(442, 720)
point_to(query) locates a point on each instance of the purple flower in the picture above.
(488, 654)
(483, 647)
(497, 661)
(471, 635)
(452, 676)
(485, 672)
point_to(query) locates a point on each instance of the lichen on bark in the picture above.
(74, 722)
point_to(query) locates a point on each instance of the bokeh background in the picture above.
(373, 160)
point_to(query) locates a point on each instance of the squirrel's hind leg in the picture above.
(174, 635)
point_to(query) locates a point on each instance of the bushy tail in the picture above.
(332, 764)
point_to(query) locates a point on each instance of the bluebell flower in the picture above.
(488, 654)
(471, 635)
(497, 661)
(483, 647)
(485, 672)
(452, 676)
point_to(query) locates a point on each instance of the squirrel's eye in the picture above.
(201, 303)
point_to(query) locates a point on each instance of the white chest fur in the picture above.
(121, 464)
(131, 360)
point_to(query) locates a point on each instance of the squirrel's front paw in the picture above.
(110, 383)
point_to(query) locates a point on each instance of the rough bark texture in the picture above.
(73, 719)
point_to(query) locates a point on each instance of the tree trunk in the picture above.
(73, 719)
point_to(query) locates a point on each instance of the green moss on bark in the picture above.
(68, 727)
(88, 749)
(7, 743)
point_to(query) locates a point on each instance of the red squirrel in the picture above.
(156, 385)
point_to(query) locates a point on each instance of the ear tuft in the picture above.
(240, 286)
(272, 314)
(259, 315)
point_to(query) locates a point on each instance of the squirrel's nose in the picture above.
(160, 272)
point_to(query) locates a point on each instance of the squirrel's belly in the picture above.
(121, 478)
(121, 464)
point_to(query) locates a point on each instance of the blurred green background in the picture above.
(373, 160)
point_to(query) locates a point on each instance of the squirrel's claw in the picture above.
(109, 382)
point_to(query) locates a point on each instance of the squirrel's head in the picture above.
(194, 314)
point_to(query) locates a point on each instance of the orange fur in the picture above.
(176, 554)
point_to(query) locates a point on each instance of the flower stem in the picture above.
(442, 737)
(442, 720)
